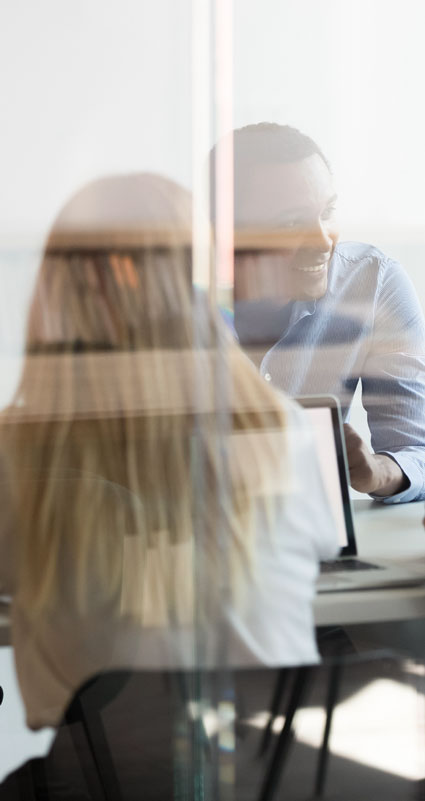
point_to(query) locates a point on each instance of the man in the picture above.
(318, 316)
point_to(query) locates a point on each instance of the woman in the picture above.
(163, 499)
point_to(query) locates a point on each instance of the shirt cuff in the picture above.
(415, 474)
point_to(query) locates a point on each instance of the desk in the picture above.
(390, 531)
(381, 531)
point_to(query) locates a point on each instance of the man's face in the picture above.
(296, 203)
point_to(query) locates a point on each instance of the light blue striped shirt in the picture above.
(368, 327)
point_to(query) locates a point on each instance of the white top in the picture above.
(271, 623)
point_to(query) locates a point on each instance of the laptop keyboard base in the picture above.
(347, 566)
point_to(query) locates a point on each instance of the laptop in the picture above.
(347, 572)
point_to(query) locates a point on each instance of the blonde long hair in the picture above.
(118, 407)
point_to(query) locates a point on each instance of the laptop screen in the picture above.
(326, 427)
(322, 430)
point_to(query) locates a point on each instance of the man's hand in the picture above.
(372, 472)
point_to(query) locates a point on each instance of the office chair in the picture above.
(127, 735)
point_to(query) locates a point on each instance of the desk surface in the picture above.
(390, 531)
(381, 531)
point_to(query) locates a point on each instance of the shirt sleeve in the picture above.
(393, 379)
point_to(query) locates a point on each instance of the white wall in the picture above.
(88, 87)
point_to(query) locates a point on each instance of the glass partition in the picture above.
(209, 208)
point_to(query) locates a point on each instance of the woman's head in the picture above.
(116, 271)
(131, 410)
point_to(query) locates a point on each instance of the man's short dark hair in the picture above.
(264, 143)
(270, 143)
